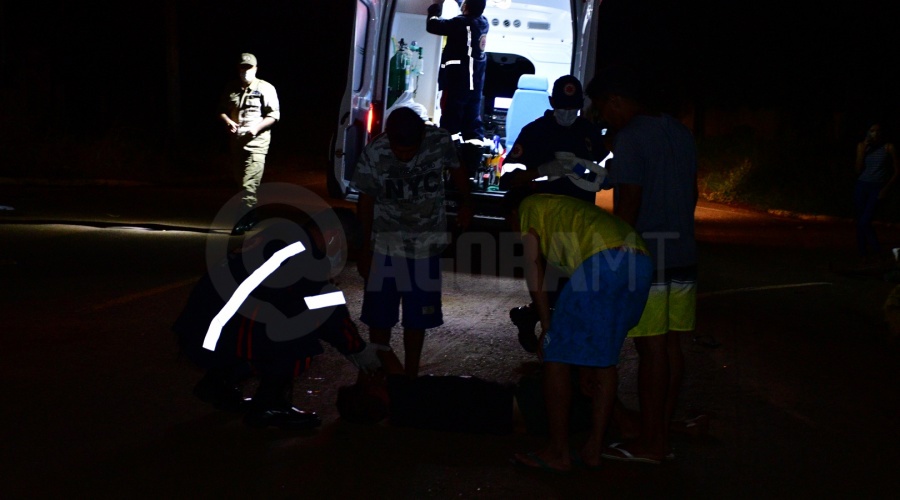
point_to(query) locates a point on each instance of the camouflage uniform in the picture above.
(248, 106)
(409, 218)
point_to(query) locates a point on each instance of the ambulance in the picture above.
(394, 62)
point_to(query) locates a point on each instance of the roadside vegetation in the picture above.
(792, 173)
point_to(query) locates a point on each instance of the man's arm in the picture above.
(627, 204)
(534, 278)
(271, 109)
(231, 124)
(892, 154)
(365, 212)
(434, 24)
(390, 363)
(340, 331)
(460, 179)
(860, 156)
(266, 123)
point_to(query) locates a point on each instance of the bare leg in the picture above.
(676, 371)
(604, 383)
(380, 335)
(558, 395)
(653, 383)
(627, 420)
(413, 340)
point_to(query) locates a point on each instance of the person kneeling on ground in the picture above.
(609, 280)
(275, 331)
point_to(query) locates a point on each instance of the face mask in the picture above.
(565, 117)
(248, 75)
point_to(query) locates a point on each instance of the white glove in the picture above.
(367, 359)
(579, 170)
(559, 166)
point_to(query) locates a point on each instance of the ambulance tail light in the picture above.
(373, 121)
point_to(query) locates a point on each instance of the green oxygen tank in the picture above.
(398, 72)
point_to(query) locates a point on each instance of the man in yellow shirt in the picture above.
(609, 271)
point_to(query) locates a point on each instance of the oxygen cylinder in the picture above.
(418, 66)
(398, 72)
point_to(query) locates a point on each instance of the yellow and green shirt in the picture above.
(572, 230)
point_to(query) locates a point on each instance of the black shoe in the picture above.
(525, 317)
(246, 223)
(222, 395)
(285, 418)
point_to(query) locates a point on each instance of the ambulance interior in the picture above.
(527, 37)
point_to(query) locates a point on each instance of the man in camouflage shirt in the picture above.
(400, 177)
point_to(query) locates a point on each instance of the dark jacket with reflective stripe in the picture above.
(463, 60)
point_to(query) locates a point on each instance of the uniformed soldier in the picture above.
(249, 109)
(463, 63)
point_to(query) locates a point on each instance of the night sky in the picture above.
(91, 65)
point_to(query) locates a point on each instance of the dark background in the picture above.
(87, 82)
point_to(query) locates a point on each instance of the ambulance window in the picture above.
(359, 44)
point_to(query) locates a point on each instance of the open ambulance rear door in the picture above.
(381, 26)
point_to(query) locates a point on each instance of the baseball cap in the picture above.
(567, 93)
(248, 59)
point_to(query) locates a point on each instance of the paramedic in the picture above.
(544, 141)
(463, 61)
(273, 334)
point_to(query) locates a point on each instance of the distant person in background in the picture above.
(463, 63)
(249, 109)
(877, 171)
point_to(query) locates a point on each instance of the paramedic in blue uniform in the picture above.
(274, 334)
(559, 131)
(463, 61)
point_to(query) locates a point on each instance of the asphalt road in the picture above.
(802, 389)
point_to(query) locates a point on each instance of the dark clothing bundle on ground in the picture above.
(470, 404)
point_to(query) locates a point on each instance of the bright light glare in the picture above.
(243, 291)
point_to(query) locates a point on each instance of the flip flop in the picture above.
(576, 459)
(697, 426)
(616, 452)
(536, 463)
